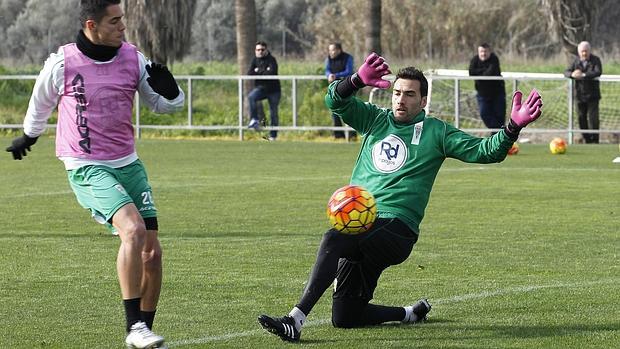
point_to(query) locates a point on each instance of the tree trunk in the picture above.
(373, 26)
(573, 22)
(245, 15)
(160, 28)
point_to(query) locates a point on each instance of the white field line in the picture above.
(453, 299)
(521, 289)
(209, 183)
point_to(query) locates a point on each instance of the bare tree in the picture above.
(572, 20)
(160, 28)
(373, 26)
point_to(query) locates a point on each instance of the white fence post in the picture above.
(294, 98)
(240, 105)
(457, 102)
(189, 102)
(570, 111)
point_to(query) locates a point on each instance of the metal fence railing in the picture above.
(239, 125)
(451, 97)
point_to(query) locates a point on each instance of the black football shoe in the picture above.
(420, 310)
(283, 327)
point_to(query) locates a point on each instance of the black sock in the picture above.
(132, 311)
(148, 317)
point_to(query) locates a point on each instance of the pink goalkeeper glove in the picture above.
(523, 114)
(372, 70)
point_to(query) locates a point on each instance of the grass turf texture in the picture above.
(522, 254)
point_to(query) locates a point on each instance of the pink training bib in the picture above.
(95, 111)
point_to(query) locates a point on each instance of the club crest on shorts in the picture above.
(120, 188)
(389, 154)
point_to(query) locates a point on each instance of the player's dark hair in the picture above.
(94, 9)
(337, 45)
(262, 43)
(411, 73)
(485, 45)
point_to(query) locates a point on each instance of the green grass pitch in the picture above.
(522, 254)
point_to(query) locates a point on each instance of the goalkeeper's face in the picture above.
(407, 101)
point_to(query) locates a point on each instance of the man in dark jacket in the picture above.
(338, 65)
(491, 93)
(264, 64)
(585, 69)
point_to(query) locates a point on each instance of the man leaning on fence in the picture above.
(585, 69)
(338, 65)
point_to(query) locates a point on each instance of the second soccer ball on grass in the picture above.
(514, 150)
(557, 146)
(351, 209)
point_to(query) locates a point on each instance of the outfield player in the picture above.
(401, 153)
(93, 82)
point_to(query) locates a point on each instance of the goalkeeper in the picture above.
(401, 153)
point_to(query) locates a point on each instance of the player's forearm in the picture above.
(153, 100)
(467, 148)
(158, 103)
(39, 111)
(347, 87)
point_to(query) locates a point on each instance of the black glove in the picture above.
(20, 145)
(162, 81)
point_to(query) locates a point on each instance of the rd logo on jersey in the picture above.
(389, 154)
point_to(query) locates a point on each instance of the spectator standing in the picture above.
(264, 64)
(338, 65)
(491, 94)
(585, 69)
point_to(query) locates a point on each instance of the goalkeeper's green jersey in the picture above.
(398, 162)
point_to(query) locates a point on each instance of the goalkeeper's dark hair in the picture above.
(94, 9)
(411, 73)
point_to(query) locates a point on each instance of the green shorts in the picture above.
(104, 190)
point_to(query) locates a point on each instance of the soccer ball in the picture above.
(514, 150)
(557, 146)
(351, 210)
